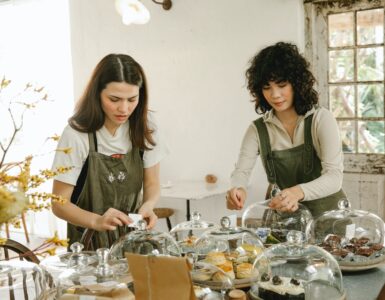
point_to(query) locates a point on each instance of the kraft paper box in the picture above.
(160, 277)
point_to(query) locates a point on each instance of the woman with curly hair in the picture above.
(298, 140)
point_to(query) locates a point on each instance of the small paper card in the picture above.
(350, 231)
(135, 219)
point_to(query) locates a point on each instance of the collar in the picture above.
(270, 117)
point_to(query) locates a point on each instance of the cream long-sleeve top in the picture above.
(326, 141)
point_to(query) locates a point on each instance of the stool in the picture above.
(164, 212)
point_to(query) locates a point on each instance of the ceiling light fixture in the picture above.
(134, 12)
(166, 4)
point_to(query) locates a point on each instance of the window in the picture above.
(345, 45)
(35, 47)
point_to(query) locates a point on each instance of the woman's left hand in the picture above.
(288, 199)
(148, 214)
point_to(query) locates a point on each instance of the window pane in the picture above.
(371, 137)
(370, 63)
(371, 100)
(341, 30)
(342, 100)
(341, 65)
(370, 26)
(347, 132)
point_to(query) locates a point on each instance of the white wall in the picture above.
(195, 57)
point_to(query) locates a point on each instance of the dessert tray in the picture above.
(356, 254)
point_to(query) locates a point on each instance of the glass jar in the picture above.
(23, 280)
(297, 271)
(354, 237)
(232, 249)
(186, 233)
(272, 225)
(146, 242)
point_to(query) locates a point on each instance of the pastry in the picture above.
(201, 274)
(245, 270)
(280, 288)
(215, 258)
(219, 277)
(227, 267)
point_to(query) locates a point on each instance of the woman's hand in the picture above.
(110, 219)
(235, 198)
(147, 211)
(288, 199)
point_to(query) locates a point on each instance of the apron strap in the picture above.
(265, 150)
(92, 142)
(309, 149)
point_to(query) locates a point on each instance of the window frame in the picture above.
(316, 51)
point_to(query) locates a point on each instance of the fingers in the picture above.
(235, 198)
(152, 221)
(284, 202)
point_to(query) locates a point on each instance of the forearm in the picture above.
(75, 215)
(325, 185)
(69, 211)
(151, 186)
(151, 195)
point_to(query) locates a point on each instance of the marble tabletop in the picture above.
(364, 285)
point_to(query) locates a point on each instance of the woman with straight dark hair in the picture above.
(298, 140)
(115, 150)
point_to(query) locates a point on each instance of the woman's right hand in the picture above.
(110, 219)
(235, 198)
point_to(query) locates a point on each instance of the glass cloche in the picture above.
(87, 279)
(20, 279)
(186, 233)
(146, 242)
(297, 271)
(272, 225)
(210, 282)
(232, 249)
(56, 264)
(354, 237)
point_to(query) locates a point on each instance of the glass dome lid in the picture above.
(297, 271)
(210, 279)
(145, 242)
(186, 233)
(80, 275)
(23, 279)
(232, 249)
(272, 225)
(56, 264)
(354, 237)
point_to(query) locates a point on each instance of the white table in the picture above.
(190, 190)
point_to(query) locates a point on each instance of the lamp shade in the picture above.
(132, 12)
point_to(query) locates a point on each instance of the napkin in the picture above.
(161, 277)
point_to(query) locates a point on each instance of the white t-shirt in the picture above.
(326, 141)
(107, 144)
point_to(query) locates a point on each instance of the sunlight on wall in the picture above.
(35, 47)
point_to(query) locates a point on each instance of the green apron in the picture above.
(294, 166)
(109, 182)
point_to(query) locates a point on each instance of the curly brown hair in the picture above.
(281, 62)
(89, 115)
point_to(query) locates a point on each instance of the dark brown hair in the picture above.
(89, 115)
(281, 62)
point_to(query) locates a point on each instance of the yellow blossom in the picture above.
(56, 241)
(65, 150)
